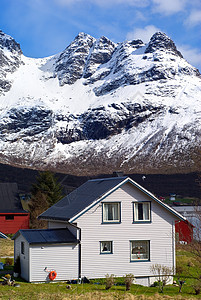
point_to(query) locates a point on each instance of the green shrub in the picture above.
(110, 280)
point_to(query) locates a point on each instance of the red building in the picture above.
(184, 231)
(12, 215)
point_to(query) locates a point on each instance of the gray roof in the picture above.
(47, 236)
(81, 198)
(9, 200)
(93, 191)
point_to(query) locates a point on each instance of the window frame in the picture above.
(140, 260)
(106, 252)
(119, 213)
(141, 221)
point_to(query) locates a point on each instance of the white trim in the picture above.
(98, 200)
(157, 200)
(126, 180)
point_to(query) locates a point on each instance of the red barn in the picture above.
(12, 215)
(184, 231)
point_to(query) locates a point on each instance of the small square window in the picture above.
(111, 212)
(106, 247)
(142, 212)
(22, 247)
(140, 250)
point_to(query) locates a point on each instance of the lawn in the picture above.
(91, 291)
(95, 290)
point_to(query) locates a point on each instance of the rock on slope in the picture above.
(99, 106)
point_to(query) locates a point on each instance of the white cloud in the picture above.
(169, 7)
(142, 33)
(192, 55)
(139, 16)
(194, 18)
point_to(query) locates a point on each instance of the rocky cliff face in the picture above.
(10, 59)
(100, 106)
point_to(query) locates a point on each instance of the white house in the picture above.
(110, 225)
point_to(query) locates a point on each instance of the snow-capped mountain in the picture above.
(100, 106)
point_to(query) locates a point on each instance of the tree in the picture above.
(47, 184)
(44, 193)
(37, 205)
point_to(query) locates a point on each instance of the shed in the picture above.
(45, 250)
(184, 231)
(12, 216)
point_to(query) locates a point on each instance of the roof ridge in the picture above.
(107, 178)
(43, 229)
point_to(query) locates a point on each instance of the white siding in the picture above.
(73, 229)
(62, 258)
(159, 232)
(56, 224)
(24, 258)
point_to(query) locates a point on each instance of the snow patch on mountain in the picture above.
(99, 106)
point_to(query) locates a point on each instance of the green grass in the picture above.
(96, 288)
(90, 291)
(190, 263)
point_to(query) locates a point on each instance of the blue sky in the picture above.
(46, 27)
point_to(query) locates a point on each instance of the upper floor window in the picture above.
(140, 250)
(142, 212)
(111, 212)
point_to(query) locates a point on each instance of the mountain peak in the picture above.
(160, 41)
(99, 105)
(82, 36)
(9, 43)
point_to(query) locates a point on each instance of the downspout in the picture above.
(79, 255)
(173, 246)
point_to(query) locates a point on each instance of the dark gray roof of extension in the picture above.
(81, 198)
(47, 236)
(9, 200)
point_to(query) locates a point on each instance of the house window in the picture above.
(111, 212)
(9, 217)
(106, 247)
(142, 212)
(140, 250)
(22, 247)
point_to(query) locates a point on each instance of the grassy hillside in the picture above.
(6, 248)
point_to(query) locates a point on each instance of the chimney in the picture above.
(118, 174)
